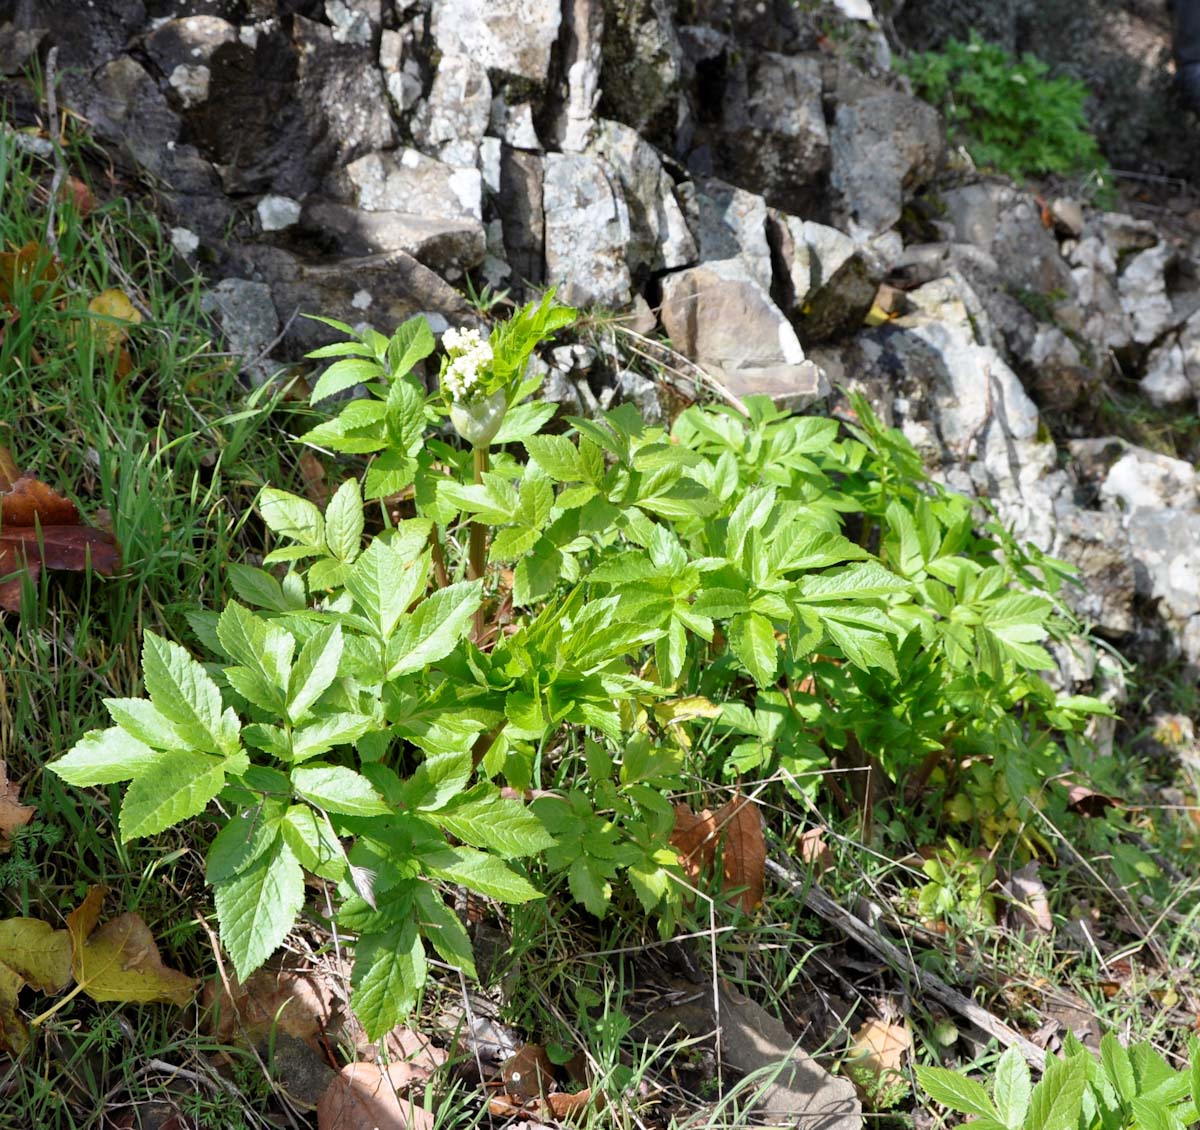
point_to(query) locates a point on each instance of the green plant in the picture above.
(1011, 115)
(1126, 1089)
(471, 672)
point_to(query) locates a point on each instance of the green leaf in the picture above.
(479, 872)
(337, 789)
(536, 576)
(589, 886)
(446, 932)
(557, 456)
(342, 375)
(1151, 1115)
(955, 1091)
(1118, 1067)
(384, 584)
(104, 757)
(314, 842)
(434, 629)
(256, 908)
(411, 342)
(866, 579)
(1056, 1101)
(184, 693)
(257, 588)
(179, 784)
(389, 972)
(257, 644)
(240, 843)
(314, 670)
(324, 734)
(1013, 1088)
(752, 640)
(488, 820)
(438, 779)
(344, 522)
(292, 517)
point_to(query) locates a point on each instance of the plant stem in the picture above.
(439, 558)
(477, 558)
(43, 1017)
(485, 742)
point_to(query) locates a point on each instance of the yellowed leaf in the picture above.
(113, 311)
(13, 814)
(877, 1052)
(120, 961)
(32, 953)
(677, 710)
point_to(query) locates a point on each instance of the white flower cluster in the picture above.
(469, 356)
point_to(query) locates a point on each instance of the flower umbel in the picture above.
(469, 356)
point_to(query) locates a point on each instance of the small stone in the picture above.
(277, 212)
(249, 322)
(1068, 217)
(190, 83)
(361, 299)
(185, 241)
(513, 36)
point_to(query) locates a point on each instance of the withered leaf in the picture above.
(9, 473)
(300, 1003)
(13, 814)
(32, 953)
(39, 529)
(877, 1052)
(120, 961)
(527, 1073)
(363, 1097)
(31, 266)
(737, 826)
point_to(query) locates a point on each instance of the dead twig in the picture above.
(824, 907)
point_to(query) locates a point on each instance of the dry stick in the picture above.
(60, 169)
(824, 907)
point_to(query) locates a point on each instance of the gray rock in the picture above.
(1165, 382)
(382, 289)
(1068, 216)
(1140, 479)
(830, 286)
(1104, 321)
(403, 180)
(641, 63)
(583, 25)
(125, 106)
(642, 393)
(771, 135)
(190, 84)
(1123, 234)
(882, 145)
(729, 223)
(515, 37)
(451, 122)
(354, 21)
(1097, 544)
(513, 124)
(521, 211)
(448, 245)
(277, 212)
(660, 237)
(1166, 551)
(587, 231)
(401, 71)
(189, 41)
(248, 320)
(18, 46)
(718, 316)
(1142, 286)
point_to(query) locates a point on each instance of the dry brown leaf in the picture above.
(814, 850)
(120, 961)
(363, 1097)
(13, 814)
(316, 482)
(74, 192)
(744, 855)
(9, 473)
(300, 1004)
(566, 1106)
(1028, 904)
(695, 840)
(1088, 802)
(39, 529)
(877, 1050)
(528, 1073)
(31, 269)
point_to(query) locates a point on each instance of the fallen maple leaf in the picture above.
(877, 1052)
(737, 824)
(13, 814)
(120, 961)
(363, 1097)
(39, 528)
(32, 953)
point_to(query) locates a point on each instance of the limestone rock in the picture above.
(1165, 382)
(583, 22)
(126, 106)
(1142, 286)
(587, 231)
(383, 290)
(515, 37)
(882, 145)
(660, 237)
(729, 223)
(451, 122)
(248, 320)
(830, 286)
(513, 124)
(1104, 321)
(189, 41)
(401, 72)
(277, 212)
(522, 213)
(403, 180)
(719, 316)
(1096, 543)
(1135, 478)
(17, 46)
(1166, 547)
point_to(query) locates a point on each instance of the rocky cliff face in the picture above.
(750, 178)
